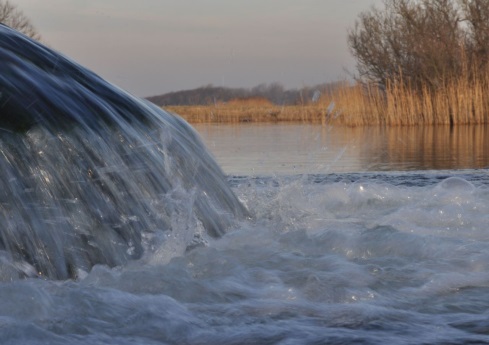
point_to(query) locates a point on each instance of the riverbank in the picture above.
(461, 102)
(263, 114)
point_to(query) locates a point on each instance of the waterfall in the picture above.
(91, 174)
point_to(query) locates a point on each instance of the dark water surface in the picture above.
(257, 149)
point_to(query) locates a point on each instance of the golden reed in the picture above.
(459, 101)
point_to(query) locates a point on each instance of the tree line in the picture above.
(274, 92)
(421, 43)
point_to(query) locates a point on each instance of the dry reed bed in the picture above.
(235, 114)
(459, 102)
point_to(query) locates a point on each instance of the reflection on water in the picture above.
(460, 147)
(255, 149)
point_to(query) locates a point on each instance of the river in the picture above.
(349, 241)
(305, 149)
(118, 227)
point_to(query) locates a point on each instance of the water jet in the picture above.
(90, 173)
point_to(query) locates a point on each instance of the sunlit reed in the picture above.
(456, 101)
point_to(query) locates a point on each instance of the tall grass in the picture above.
(249, 111)
(462, 100)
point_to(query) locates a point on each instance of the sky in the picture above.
(151, 47)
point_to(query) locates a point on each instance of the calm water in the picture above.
(252, 149)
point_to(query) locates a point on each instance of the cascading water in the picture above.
(89, 172)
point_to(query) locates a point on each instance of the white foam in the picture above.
(317, 263)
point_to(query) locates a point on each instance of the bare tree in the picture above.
(476, 17)
(11, 16)
(421, 42)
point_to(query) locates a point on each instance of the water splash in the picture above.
(90, 174)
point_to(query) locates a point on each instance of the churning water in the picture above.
(118, 228)
(344, 259)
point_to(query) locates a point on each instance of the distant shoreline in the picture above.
(256, 114)
(458, 103)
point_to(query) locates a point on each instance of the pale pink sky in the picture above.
(150, 47)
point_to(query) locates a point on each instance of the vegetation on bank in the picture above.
(462, 101)
(422, 62)
(421, 44)
(250, 110)
(419, 62)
